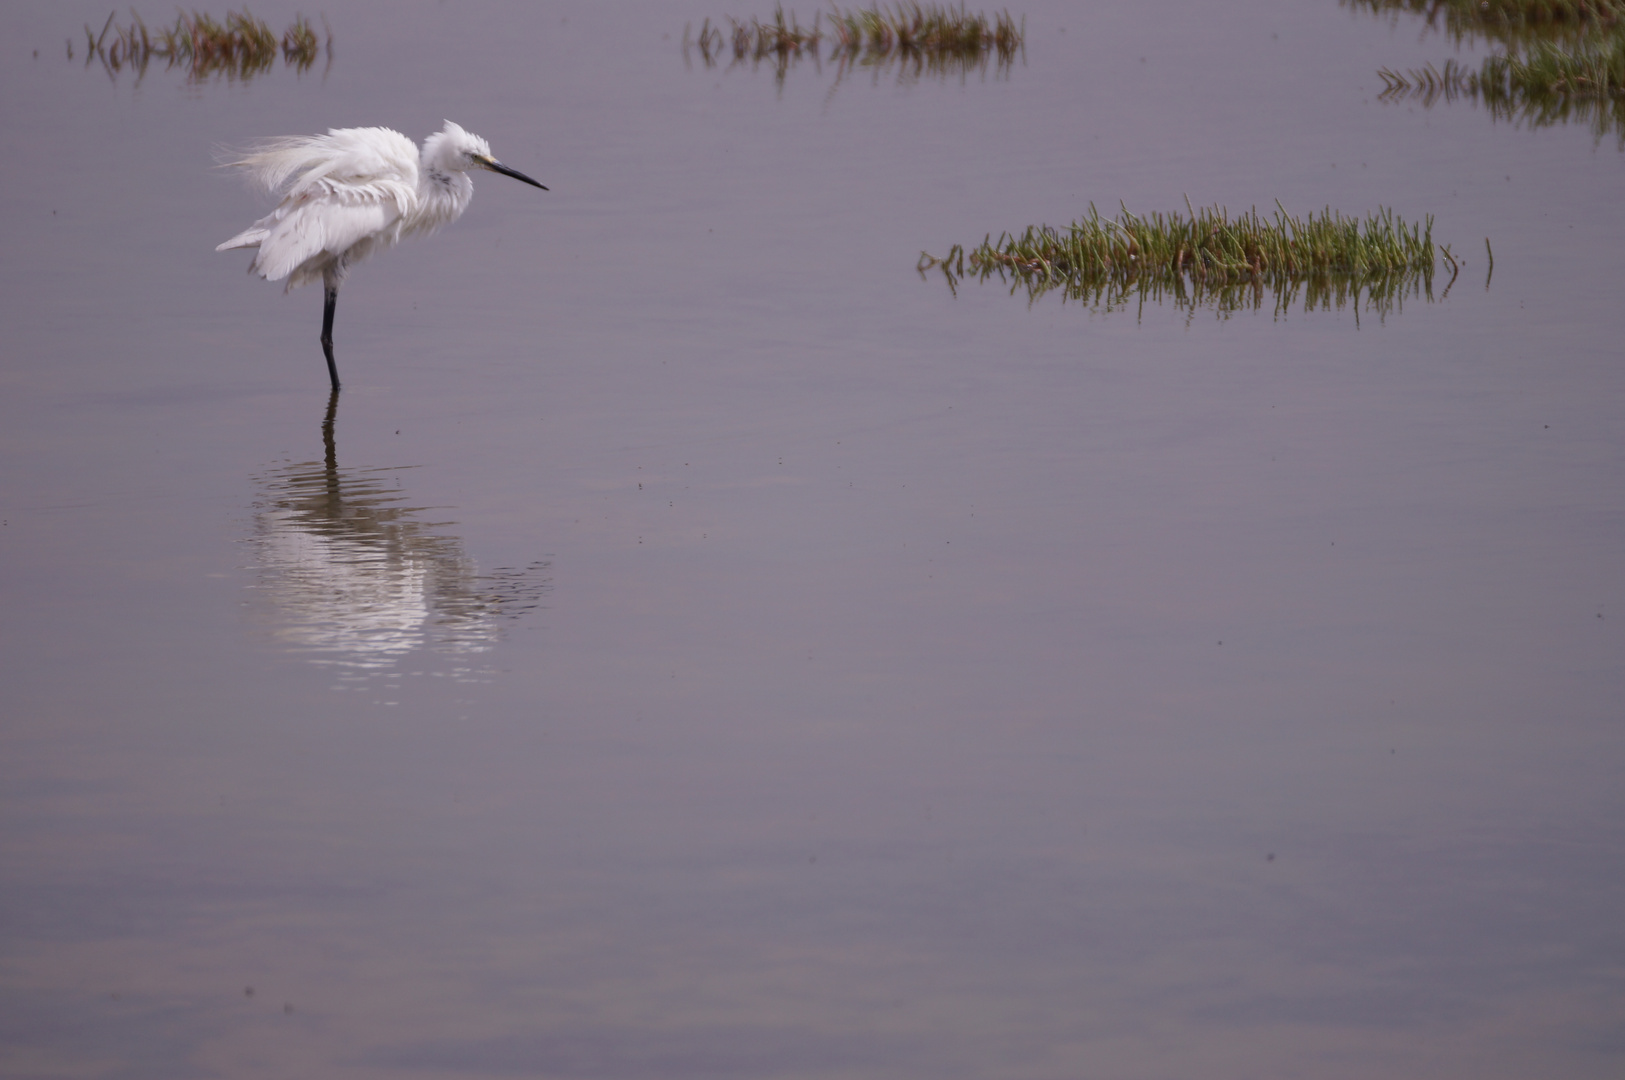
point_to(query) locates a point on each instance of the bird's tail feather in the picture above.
(248, 238)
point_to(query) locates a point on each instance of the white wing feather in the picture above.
(344, 195)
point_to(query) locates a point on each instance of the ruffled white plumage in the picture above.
(345, 195)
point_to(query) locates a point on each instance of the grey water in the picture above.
(695, 644)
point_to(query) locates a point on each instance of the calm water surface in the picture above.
(696, 645)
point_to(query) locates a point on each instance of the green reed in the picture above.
(239, 46)
(1209, 258)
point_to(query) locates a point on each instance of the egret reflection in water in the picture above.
(351, 575)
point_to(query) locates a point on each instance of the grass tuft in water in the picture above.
(934, 29)
(1544, 84)
(1211, 259)
(1508, 21)
(239, 46)
(924, 37)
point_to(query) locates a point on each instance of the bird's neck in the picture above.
(443, 195)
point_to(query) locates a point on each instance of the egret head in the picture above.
(452, 149)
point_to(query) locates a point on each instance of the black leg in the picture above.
(329, 302)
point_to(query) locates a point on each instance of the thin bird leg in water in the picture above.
(330, 301)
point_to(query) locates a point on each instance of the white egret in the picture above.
(350, 193)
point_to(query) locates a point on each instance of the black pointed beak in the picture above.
(496, 166)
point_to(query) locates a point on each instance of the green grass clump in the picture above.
(1543, 70)
(925, 29)
(1210, 258)
(922, 37)
(1545, 84)
(1509, 21)
(239, 46)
